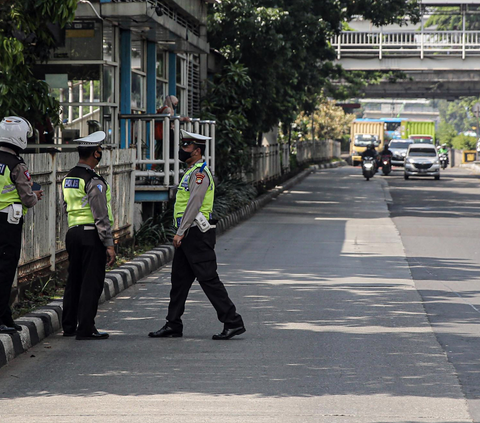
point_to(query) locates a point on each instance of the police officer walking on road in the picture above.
(89, 240)
(16, 196)
(194, 245)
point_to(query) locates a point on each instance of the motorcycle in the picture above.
(368, 167)
(386, 164)
(443, 158)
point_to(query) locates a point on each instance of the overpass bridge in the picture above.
(439, 64)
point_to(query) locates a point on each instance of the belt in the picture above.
(194, 224)
(86, 227)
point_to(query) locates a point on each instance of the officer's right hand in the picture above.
(110, 255)
(39, 194)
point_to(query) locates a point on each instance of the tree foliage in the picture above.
(26, 38)
(329, 122)
(227, 101)
(456, 117)
(446, 133)
(285, 46)
(450, 19)
(464, 142)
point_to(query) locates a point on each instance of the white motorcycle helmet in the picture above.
(15, 130)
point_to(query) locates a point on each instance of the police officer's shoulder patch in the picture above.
(100, 187)
(199, 178)
(2, 168)
(27, 175)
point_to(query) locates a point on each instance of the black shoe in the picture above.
(94, 335)
(13, 325)
(7, 329)
(229, 333)
(165, 332)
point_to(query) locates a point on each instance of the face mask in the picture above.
(99, 157)
(183, 156)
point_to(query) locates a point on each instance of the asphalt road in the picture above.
(336, 331)
(440, 229)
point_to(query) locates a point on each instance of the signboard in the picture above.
(469, 156)
(83, 41)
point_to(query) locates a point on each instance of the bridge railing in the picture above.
(407, 43)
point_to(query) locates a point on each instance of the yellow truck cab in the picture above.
(362, 133)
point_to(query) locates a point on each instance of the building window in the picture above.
(161, 77)
(181, 79)
(138, 74)
(193, 85)
(108, 42)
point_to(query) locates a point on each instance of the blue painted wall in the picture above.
(151, 85)
(125, 84)
(172, 74)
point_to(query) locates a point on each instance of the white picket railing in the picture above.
(311, 151)
(268, 163)
(43, 243)
(407, 43)
(161, 162)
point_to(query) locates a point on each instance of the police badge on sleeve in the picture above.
(199, 178)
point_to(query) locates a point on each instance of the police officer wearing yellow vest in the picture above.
(194, 245)
(16, 196)
(89, 240)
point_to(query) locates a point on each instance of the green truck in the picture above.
(418, 131)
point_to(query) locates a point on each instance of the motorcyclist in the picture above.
(443, 149)
(385, 152)
(370, 152)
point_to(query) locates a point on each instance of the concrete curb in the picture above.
(46, 320)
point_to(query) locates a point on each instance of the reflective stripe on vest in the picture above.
(78, 208)
(8, 192)
(183, 195)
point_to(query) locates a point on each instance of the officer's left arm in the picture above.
(198, 186)
(22, 180)
(97, 198)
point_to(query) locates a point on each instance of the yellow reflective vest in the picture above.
(8, 192)
(75, 196)
(183, 194)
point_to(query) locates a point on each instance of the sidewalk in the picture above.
(336, 331)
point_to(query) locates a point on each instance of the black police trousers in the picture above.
(86, 275)
(195, 258)
(10, 246)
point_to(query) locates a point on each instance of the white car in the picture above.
(399, 151)
(422, 160)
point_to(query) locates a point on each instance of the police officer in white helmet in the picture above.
(89, 240)
(16, 196)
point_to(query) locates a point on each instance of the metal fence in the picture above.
(310, 151)
(43, 243)
(268, 163)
